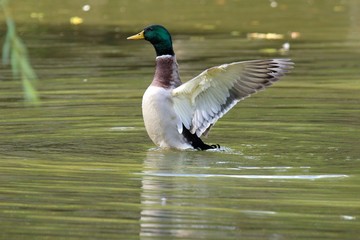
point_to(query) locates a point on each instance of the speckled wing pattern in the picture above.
(200, 102)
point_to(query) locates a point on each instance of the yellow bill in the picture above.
(138, 36)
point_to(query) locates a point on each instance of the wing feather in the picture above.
(200, 102)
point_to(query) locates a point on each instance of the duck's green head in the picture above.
(159, 37)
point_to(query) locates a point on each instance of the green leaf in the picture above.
(6, 49)
(30, 94)
(15, 53)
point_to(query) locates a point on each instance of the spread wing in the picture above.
(200, 102)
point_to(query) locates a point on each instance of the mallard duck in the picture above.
(177, 114)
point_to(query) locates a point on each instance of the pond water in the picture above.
(81, 166)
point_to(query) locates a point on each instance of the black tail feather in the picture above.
(196, 142)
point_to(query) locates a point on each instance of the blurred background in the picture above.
(89, 30)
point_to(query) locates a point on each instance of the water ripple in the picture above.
(290, 177)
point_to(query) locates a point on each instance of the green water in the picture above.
(81, 166)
